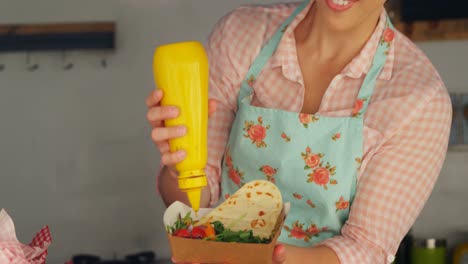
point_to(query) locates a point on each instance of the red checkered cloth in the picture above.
(14, 252)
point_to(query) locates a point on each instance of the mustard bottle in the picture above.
(181, 72)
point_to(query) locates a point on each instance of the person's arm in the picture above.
(392, 190)
(225, 79)
(397, 182)
(287, 254)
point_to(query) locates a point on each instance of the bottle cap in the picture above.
(430, 243)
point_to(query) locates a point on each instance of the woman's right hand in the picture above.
(160, 134)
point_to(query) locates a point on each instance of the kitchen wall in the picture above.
(75, 152)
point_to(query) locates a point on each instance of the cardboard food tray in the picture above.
(211, 252)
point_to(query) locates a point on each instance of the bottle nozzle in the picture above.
(192, 183)
(194, 196)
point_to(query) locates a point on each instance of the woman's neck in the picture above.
(327, 44)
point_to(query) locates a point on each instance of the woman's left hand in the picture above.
(176, 262)
(279, 254)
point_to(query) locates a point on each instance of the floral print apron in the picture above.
(313, 159)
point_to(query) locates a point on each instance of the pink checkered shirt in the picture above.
(406, 125)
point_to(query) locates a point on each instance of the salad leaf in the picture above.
(181, 223)
(218, 226)
(223, 234)
(227, 235)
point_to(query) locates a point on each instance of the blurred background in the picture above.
(75, 148)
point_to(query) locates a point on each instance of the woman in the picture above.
(341, 111)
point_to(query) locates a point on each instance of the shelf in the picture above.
(426, 29)
(421, 31)
(57, 36)
(458, 148)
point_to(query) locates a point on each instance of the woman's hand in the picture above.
(174, 261)
(160, 134)
(291, 254)
(279, 254)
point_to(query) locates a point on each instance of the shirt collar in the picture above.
(286, 53)
(362, 63)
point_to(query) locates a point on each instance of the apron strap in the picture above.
(265, 55)
(380, 57)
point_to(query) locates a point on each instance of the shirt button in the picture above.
(390, 259)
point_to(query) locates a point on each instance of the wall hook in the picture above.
(2, 67)
(31, 66)
(104, 63)
(105, 56)
(66, 64)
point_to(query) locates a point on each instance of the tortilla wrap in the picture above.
(256, 206)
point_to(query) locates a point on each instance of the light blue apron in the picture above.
(313, 159)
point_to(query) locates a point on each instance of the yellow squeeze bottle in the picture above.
(181, 72)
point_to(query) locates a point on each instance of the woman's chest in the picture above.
(277, 89)
(286, 89)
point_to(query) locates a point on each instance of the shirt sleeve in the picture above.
(224, 84)
(396, 183)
